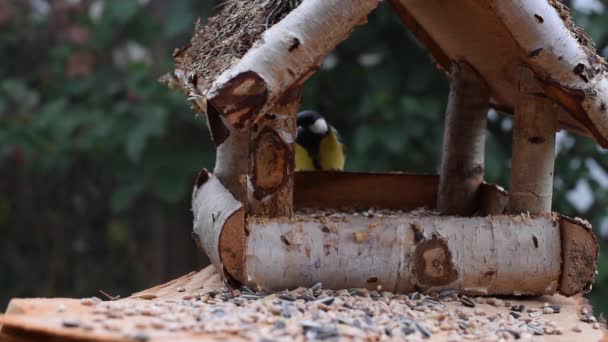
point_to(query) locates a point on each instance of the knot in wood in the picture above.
(433, 264)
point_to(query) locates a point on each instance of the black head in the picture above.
(312, 122)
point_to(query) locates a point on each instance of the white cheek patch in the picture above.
(319, 127)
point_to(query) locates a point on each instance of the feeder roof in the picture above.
(494, 36)
(497, 36)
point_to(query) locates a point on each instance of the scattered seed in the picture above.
(595, 325)
(535, 314)
(141, 336)
(251, 297)
(518, 308)
(466, 301)
(426, 333)
(577, 329)
(87, 301)
(71, 323)
(535, 330)
(513, 333)
(548, 310)
(316, 287)
(326, 300)
(181, 289)
(515, 314)
(287, 298)
(285, 311)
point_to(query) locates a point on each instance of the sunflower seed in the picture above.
(466, 301)
(518, 308)
(535, 330)
(71, 323)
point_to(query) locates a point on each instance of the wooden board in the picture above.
(38, 319)
(364, 190)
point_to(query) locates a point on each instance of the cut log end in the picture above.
(271, 163)
(241, 98)
(580, 255)
(232, 246)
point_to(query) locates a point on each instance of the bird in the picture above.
(318, 144)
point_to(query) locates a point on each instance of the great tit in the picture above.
(319, 146)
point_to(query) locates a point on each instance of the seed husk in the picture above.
(518, 308)
(535, 330)
(287, 298)
(426, 333)
(466, 301)
(513, 333)
(71, 323)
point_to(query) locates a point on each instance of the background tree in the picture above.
(97, 159)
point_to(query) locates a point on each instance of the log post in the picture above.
(533, 147)
(462, 164)
(231, 165)
(271, 159)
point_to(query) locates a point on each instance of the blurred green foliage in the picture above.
(97, 158)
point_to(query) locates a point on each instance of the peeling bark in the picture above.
(462, 165)
(271, 159)
(533, 148)
(219, 225)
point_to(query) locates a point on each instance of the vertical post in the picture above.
(271, 159)
(462, 164)
(533, 147)
(231, 164)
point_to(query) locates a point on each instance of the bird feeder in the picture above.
(263, 224)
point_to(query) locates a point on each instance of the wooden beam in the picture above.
(533, 147)
(462, 165)
(231, 162)
(271, 159)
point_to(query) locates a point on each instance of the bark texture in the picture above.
(231, 164)
(219, 226)
(288, 53)
(271, 159)
(462, 165)
(533, 148)
(404, 252)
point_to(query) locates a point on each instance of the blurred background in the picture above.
(97, 159)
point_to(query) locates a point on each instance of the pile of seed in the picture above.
(320, 314)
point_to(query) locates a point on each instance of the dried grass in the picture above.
(230, 34)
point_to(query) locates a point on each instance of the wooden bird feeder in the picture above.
(264, 225)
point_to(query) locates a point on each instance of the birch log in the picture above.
(271, 159)
(533, 148)
(231, 163)
(462, 165)
(287, 54)
(401, 253)
(219, 225)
